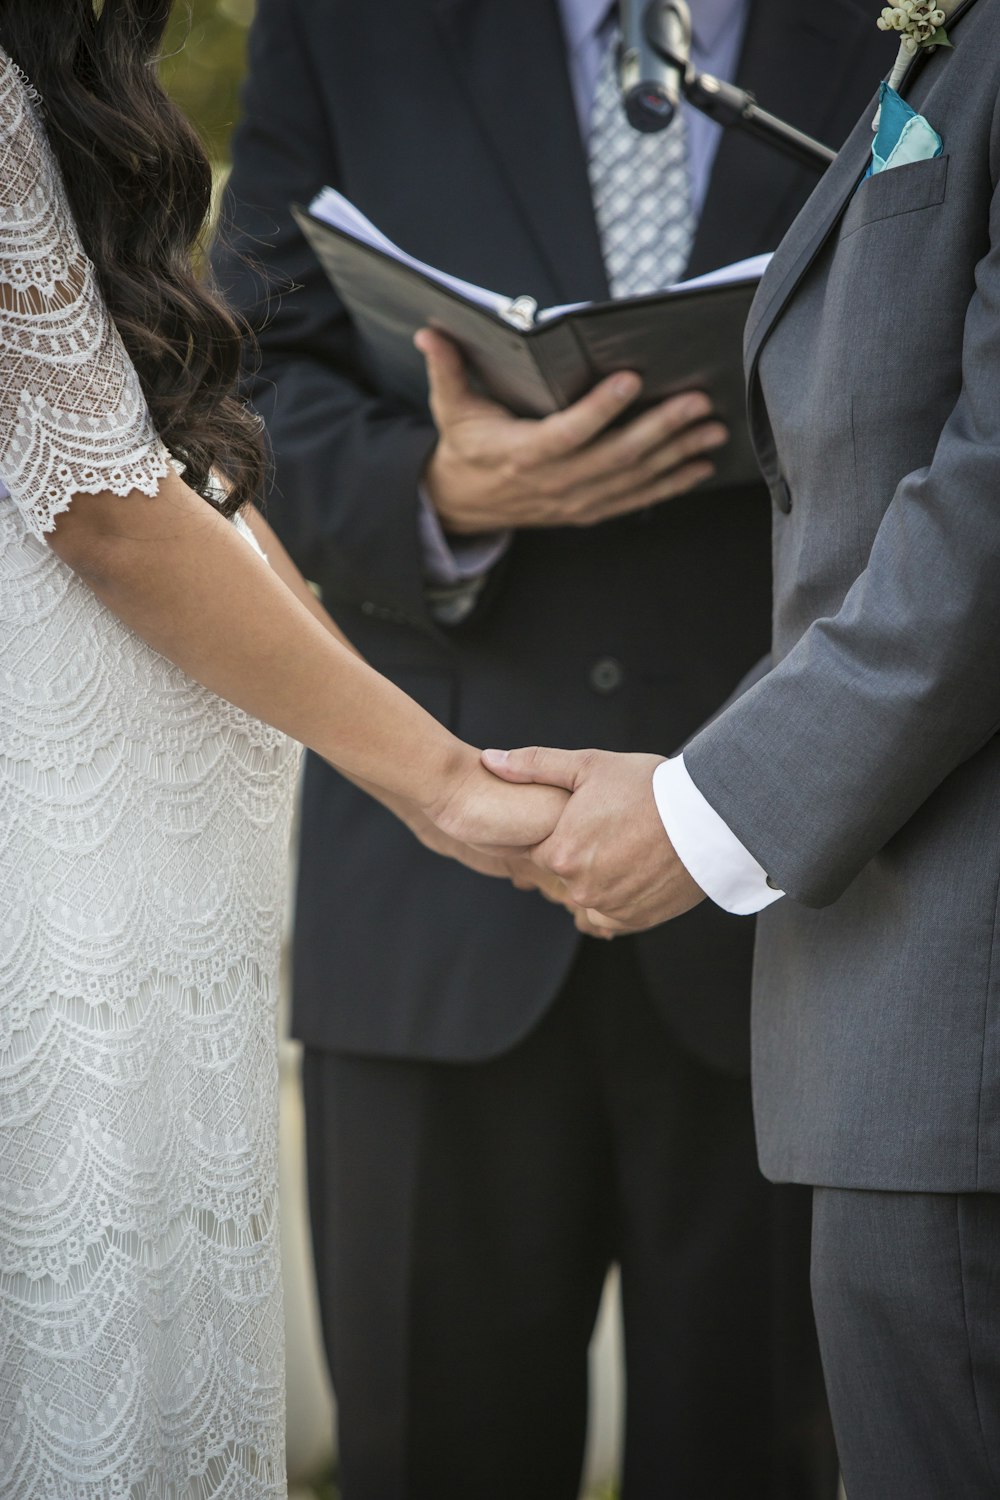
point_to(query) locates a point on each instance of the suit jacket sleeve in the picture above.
(759, 669)
(823, 760)
(347, 462)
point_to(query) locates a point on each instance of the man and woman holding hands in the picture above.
(554, 1104)
(498, 1104)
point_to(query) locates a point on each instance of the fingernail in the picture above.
(626, 386)
(697, 406)
(496, 757)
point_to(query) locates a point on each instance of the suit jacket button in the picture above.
(607, 675)
(771, 883)
(782, 495)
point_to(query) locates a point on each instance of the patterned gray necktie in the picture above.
(641, 191)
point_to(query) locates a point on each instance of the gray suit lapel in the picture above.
(807, 236)
(816, 223)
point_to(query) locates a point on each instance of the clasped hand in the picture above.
(609, 848)
(601, 851)
(581, 826)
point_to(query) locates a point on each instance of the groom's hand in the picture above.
(609, 848)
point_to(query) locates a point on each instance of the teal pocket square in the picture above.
(903, 135)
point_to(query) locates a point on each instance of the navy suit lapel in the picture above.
(510, 58)
(795, 59)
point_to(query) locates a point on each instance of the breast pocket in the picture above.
(897, 190)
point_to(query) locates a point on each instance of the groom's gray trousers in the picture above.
(906, 1289)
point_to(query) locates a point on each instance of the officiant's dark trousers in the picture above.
(464, 1217)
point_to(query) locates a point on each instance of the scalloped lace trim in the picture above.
(73, 419)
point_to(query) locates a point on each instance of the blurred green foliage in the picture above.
(203, 65)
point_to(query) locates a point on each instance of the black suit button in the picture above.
(769, 881)
(782, 495)
(607, 675)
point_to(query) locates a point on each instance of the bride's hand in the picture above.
(477, 822)
(500, 831)
(505, 864)
(471, 811)
(511, 864)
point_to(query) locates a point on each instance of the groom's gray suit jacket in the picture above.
(864, 769)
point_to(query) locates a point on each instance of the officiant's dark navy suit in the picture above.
(497, 1108)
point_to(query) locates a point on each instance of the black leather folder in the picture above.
(677, 340)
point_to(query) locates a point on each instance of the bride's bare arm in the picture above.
(171, 567)
(183, 578)
(509, 866)
(281, 564)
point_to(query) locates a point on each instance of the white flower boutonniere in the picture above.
(920, 21)
(921, 24)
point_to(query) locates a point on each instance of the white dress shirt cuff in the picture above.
(705, 844)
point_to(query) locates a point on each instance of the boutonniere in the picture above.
(921, 24)
(920, 21)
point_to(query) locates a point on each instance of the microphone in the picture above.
(652, 77)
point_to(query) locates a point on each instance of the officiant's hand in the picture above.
(609, 847)
(492, 471)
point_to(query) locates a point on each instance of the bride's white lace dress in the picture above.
(143, 840)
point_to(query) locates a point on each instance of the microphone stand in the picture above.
(728, 105)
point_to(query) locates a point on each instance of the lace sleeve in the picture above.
(72, 415)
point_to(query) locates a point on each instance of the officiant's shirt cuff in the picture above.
(452, 560)
(707, 847)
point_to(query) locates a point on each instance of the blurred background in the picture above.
(203, 66)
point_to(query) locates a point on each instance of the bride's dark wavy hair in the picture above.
(140, 186)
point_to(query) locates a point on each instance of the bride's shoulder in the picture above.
(28, 167)
(17, 93)
(11, 77)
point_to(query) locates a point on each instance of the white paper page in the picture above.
(741, 270)
(334, 209)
